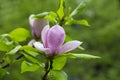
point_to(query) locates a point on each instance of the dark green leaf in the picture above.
(19, 34)
(32, 59)
(59, 62)
(57, 75)
(30, 50)
(60, 11)
(26, 66)
(2, 73)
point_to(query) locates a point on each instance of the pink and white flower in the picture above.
(53, 39)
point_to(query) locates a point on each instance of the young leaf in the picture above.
(57, 75)
(79, 8)
(26, 66)
(59, 62)
(19, 34)
(81, 56)
(60, 11)
(81, 22)
(15, 50)
(30, 50)
(52, 17)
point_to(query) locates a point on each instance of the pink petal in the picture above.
(71, 45)
(44, 35)
(55, 38)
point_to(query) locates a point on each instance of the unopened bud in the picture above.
(37, 26)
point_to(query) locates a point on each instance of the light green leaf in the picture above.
(19, 34)
(81, 48)
(30, 50)
(59, 62)
(79, 8)
(6, 45)
(81, 22)
(41, 15)
(15, 50)
(26, 66)
(81, 56)
(52, 17)
(57, 75)
(60, 11)
(53, 14)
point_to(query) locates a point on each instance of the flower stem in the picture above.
(48, 67)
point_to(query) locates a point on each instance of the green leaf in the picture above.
(30, 50)
(15, 50)
(57, 75)
(79, 8)
(52, 17)
(59, 62)
(2, 73)
(26, 66)
(32, 59)
(19, 34)
(41, 15)
(81, 56)
(6, 45)
(60, 11)
(81, 48)
(81, 22)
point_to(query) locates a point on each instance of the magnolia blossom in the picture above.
(37, 25)
(53, 39)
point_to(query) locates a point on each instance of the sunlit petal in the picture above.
(39, 46)
(31, 42)
(71, 45)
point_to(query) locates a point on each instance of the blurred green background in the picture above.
(102, 38)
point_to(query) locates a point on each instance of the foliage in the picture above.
(101, 38)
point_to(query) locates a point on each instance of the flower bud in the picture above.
(37, 26)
